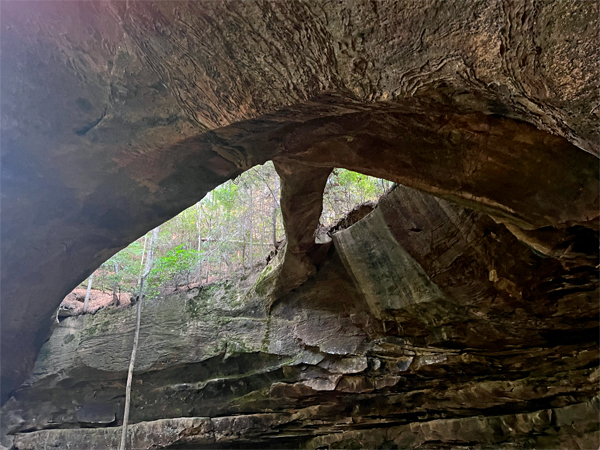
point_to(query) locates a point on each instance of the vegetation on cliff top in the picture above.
(230, 230)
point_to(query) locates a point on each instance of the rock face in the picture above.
(118, 115)
(425, 325)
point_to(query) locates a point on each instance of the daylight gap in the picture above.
(230, 232)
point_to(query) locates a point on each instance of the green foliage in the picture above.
(231, 228)
(123, 269)
(174, 268)
(346, 189)
(224, 197)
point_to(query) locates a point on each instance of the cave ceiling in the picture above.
(118, 115)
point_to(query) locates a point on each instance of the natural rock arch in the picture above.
(118, 115)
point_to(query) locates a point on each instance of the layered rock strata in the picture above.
(425, 325)
(118, 115)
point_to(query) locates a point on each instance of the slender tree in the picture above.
(87, 294)
(115, 299)
(148, 268)
(139, 282)
(274, 194)
(251, 211)
(200, 259)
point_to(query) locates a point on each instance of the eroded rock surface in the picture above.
(118, 115)
(426, 325)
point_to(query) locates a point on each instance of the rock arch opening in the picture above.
(521, 175)
(232, 231)
(517, 173)
(117, 116)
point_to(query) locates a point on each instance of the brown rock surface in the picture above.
(118, 115)
(426, 325)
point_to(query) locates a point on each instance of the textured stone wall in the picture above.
(425, 325)
(118, 115)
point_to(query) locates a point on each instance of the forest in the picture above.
(230, 231)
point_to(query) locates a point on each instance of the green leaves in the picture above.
(346, 189)
(232, 227)
(174, 268)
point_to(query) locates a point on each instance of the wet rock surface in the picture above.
(425, 325)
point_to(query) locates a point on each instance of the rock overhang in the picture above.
(341, 350)
(117, 116)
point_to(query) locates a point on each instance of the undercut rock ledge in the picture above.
(425, 325)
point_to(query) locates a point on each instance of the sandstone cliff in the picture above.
(118, 115)
(425, 325)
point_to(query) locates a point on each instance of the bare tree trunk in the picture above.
(199, 242)
(229, 266)
(130, 376)
(208, 249)
(225, 257)
(142, 261)
(243, 238)
(149, 261)
(251, 231)
(87, 294)
(221, 227)
(274, 195)
(115, 299)
(275, 208)
(274, 226)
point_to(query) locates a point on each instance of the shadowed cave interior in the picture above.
(461, 312)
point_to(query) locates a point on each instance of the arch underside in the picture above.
(116, 118)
